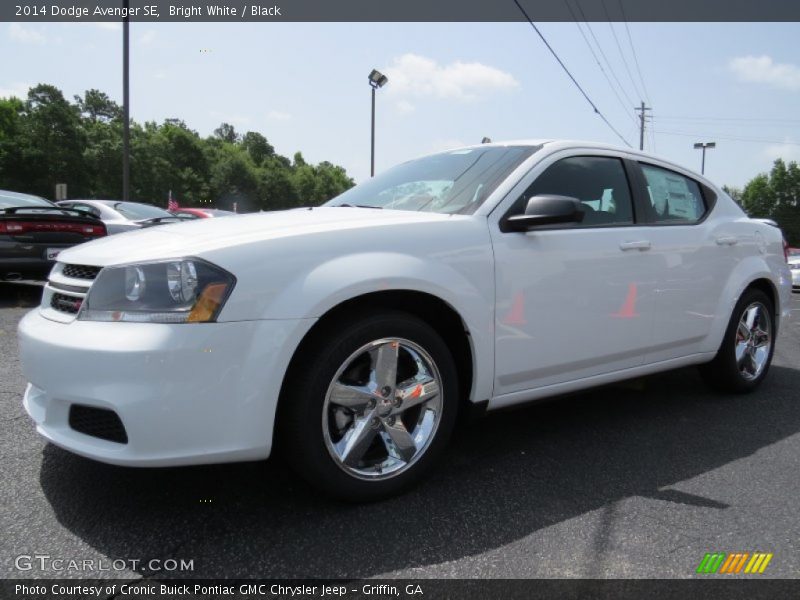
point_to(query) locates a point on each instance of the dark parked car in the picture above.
(34, 230)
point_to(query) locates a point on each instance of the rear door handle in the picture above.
(637, 245)
(727, 240)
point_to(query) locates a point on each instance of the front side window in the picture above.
(673, 197)
(599, 182)
(451, 182)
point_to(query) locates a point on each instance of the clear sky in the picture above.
(304, 86)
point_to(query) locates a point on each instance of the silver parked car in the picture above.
(794, 265)
(121, 216)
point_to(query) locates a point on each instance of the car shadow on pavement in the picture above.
(504, 477)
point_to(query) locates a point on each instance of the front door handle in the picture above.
(727, 240)
(637, 245)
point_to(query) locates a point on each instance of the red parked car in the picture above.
(201, 213)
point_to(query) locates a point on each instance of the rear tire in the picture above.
(745, 355)
(369, 406)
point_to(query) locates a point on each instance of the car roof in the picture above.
(20, 195)
(566, 144)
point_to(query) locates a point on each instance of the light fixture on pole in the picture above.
(704, 145)
(376, 80)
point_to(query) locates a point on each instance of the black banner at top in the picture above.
(395, 10)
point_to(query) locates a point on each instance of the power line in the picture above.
(603, 54)
(624, 106)
(633, 51)
(728, 137)
(652, 134)
(619, 48)
(732, 119)
(566, 70)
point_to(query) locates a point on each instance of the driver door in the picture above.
(572, 301)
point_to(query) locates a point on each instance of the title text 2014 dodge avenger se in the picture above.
(352, 334)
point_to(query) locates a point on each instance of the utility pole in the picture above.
(703, 146)
(126, 109)
(641, 109)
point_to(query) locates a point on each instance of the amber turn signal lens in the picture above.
(208, 303)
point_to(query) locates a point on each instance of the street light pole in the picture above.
(126, 108)
(372, 138)
(703, 146)
(376, 80)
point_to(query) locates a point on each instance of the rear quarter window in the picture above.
(673, 197)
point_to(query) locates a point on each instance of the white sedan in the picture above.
(353, 334)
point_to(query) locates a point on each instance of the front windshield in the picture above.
(136, 211)
(452, 182)
(14, 200)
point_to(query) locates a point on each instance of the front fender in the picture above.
(339, 279)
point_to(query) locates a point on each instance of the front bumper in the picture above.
(186, 394)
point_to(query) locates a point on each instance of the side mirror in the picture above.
(546, 209)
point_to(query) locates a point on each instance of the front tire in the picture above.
(369, 406)
(744, 357)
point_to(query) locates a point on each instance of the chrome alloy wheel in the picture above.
(753, 341)
(382, 408)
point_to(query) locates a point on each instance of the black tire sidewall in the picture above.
(724, 365)
(300, 429)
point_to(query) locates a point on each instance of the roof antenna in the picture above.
(486, 140)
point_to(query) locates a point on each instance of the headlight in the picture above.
(186, 290)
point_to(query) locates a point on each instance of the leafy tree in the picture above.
(11, 161)
(776, 196)
(257, 146)
(227, 133)
(46, 140)
(51, 141)
(97, 106)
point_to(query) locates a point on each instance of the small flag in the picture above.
(172, 204)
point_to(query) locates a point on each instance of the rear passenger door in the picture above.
(692, 257)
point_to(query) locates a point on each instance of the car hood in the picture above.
(195, 238)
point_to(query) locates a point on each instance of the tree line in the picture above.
(45, 139)
(774, 195)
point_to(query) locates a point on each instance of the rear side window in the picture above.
(673, 197)
(86, 208)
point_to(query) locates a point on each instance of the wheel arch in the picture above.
(433, 310)
(751, 273)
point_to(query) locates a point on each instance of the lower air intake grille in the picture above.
(97, 422)
(80, 271)
(65, 304)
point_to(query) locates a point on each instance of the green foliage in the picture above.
(46, 140)
(776, 196)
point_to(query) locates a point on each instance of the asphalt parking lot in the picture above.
(639, 480)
